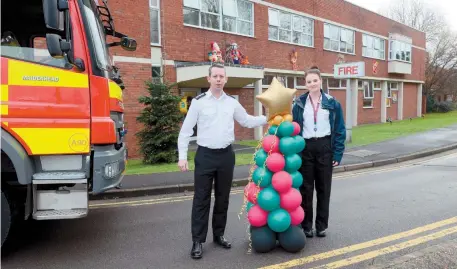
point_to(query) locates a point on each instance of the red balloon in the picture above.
(290, 200)
(257, 216)
(296, 128)
(297, 216)
(270, 143)
(275, 162)
(251, 191)
(281, 181)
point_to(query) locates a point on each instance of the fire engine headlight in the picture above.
(112, 169)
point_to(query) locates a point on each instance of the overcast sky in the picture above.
(447, 7)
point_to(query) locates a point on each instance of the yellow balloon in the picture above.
(288, 117)
(277, 120)
(277, 99)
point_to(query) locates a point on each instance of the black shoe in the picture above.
(220, 240)
(309, 233)
(197, 250)
(320, 233)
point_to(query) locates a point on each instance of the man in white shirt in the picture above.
(214, 113)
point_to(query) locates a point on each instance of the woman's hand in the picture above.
(335, 163)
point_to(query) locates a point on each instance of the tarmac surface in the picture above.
(377, 216)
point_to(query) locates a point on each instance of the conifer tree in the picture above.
(161, 124)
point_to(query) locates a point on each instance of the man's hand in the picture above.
(182, 164)
(335, 163)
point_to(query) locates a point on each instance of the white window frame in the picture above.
(277, 24)
(158, 21)
(220, 16)
(340, 38)
(366, 92)
(400, 46)
(366, 46)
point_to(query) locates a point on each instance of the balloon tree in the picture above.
(272, 198)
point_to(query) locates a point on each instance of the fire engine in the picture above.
(62, 114)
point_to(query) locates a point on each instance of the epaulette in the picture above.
(200, 95)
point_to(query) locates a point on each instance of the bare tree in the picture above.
(441, 61)
(441, 65)
(416, 14)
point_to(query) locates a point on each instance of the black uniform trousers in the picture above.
(217, 164)
(316, 169)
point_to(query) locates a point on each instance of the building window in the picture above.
(339, 39)
(373, 47)
(232, 16)
(156, 74)
(154, 14)
(368, 93)
(400, 51)
(291, 28)
(391, 86)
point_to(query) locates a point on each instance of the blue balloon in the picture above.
(279, 220)
(268, 199)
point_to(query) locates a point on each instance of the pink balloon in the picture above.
(275, 162)
(251, 191)
(270, 142)
(281, 181)
(290, 200)
(296, 128)
(297, 216)
(257, 216)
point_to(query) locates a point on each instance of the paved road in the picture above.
(378, 204)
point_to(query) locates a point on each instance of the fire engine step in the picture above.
(59, 175)
(60, 214)
(60, 199)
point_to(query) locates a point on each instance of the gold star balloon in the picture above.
(277, 99)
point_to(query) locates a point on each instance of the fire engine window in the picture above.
(23, 34)
(97, 34)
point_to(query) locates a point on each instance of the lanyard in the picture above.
(315, 112)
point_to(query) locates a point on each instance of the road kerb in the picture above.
(358, 166)
(146, 191)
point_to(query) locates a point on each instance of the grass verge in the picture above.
(361, 135)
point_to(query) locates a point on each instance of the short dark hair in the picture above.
(313, 70)
(215, 65)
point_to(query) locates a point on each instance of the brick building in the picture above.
(174, 38)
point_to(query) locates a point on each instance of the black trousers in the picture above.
(316, 169)
(218, 165)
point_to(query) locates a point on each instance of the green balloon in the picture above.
(299, 143)
(260, 157)
(268, 199)
(297, 179)
(287, 145)
(286, 128)
(279, 220)
(248, 206)
(293, 163)
(262, 176)
(272, 129)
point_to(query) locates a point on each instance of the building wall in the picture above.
(369, 115)
(191, 44)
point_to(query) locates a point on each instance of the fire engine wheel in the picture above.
(6, 217)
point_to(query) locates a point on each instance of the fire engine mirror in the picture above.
(128, 43)
(53, 44)
(53, 18)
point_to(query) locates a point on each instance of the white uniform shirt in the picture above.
(215, 122)
(323, 121)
